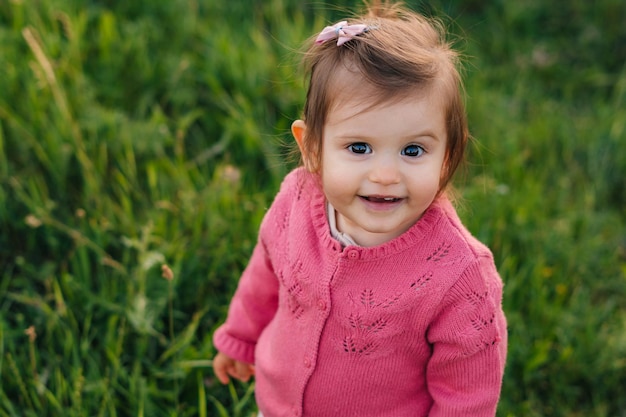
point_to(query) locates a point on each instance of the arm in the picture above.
(469, 340)
(251, 309)
(256, 300)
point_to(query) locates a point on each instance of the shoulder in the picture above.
(294, 184)
(478, 273)
(295, 194)
(451, 226)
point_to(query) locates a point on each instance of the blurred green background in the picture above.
(137, 134)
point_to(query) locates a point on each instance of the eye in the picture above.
(413, 151)
(360, 148)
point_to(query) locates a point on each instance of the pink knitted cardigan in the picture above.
(413, 327)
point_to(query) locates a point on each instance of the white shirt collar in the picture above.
(343, 238)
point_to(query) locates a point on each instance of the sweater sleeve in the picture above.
(469, 340)
(251, 309)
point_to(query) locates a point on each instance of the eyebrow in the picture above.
(364, 137)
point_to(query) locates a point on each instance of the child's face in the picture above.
(382, 165)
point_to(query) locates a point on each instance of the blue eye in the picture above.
(413, 151)
(360, 148)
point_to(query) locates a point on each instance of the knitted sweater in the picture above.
(413, 327)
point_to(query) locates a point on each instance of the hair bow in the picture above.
(342, 31)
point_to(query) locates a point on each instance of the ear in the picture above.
(298, 130)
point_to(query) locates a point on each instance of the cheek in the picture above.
(336, 180)
(329, 166)
(329, 175)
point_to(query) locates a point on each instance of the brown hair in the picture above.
(401, 53)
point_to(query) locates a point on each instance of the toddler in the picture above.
(365, 295)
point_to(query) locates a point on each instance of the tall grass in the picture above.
(140, 134)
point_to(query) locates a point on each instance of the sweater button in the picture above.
(307, 363)
(353, 254)
(321, 305)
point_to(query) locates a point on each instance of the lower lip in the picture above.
(381, 206)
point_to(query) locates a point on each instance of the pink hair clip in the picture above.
(342, 31)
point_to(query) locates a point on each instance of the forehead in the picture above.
(348, 86)
(352, 96)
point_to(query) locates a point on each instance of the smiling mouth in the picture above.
(375, 199)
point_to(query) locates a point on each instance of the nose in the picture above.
(384, 171)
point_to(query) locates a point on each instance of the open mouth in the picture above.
(381, 199)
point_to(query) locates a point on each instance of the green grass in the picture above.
(138, 134)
